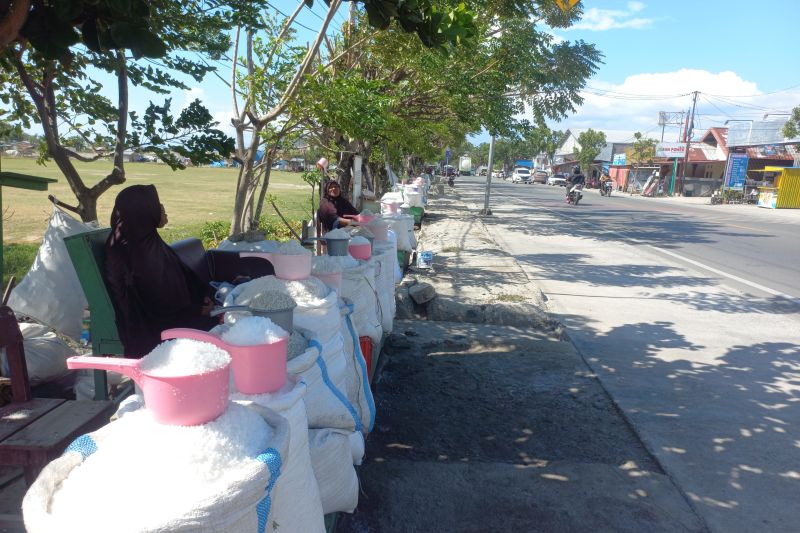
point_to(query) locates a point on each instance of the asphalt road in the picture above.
(690, 317)
(739, 245)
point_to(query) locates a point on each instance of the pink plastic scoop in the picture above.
(176, 400)
(257, 369)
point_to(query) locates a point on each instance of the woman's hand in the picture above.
(208, 306)
(344, 222)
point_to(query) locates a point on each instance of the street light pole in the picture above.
(486, 210)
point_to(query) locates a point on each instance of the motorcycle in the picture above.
(575, 194)
(606, 188)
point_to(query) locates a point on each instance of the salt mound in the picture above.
(292, 248)
(168, 471)
(252, 330)
(326, 264)
(184, 357)
(271, 301)
(337, 234)
(307, 292)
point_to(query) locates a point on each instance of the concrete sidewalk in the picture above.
(487, 421)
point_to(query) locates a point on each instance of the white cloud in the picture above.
(633, 105)
(595, 19)
(635, 6)
(190, 95)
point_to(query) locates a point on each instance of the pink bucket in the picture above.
(390, 206)
(360, 251)
(332, 280)
(257, 369)
(175, 400)
(288, 267)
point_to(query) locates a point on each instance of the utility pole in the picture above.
(689, 128)
(486, 210)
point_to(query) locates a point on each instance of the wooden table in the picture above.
(35, 432)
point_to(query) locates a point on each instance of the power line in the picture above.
(754, 95)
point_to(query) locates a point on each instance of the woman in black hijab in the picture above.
(151, 288)
(333, 207)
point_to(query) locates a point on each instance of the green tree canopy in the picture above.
(591, 143)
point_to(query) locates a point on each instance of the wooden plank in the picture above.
(16, 416)
(56, 429)
(24, 181)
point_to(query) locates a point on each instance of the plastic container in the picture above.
(175, 400)
(257, 369)
(366, 350)
(361, 219)
(288, 267)
(391, 206)
(336, 247)
(360, 251)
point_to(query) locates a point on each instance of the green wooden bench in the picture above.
(87, 252)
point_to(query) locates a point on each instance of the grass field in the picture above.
(192, 197)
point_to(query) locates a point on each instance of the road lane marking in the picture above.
(720, 272)
(724, 274)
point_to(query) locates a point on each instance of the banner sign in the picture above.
(671, 150)
(618, 159)
(736, 171)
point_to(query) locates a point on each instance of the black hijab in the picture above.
(151, 289)
(333, 207)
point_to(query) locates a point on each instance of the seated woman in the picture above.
(150, 287)
(333, 207)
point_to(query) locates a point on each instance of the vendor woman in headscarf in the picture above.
(150, 287)
(333, 207)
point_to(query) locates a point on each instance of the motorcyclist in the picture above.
(605, 178)
(577, 179)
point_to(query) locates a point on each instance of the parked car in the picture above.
(498, 174)
(482, 172)
(521, 175)
(540, 176)
(557, 179)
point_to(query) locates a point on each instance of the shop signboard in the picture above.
(768, 198)
(619, 159)
(736, 171)
(671, 150)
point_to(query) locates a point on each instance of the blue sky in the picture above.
(734, 53)
(741, 56)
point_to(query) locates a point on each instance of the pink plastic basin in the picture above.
(360, 251)
(288, 267)
(257, 369)
(332, 280)
(176, 400)
(361, 219)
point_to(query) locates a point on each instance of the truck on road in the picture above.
(465, 165)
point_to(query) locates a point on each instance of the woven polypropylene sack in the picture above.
(50, 292)
(242, 504)
(359, 288)
(333, 467)
(323, 368)
(296, 504)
